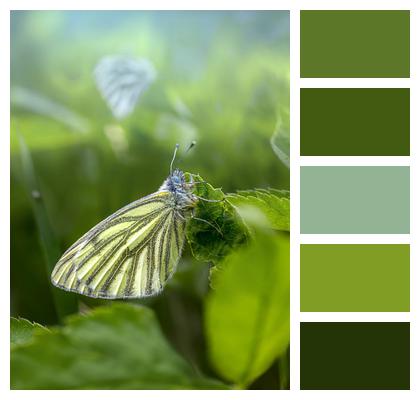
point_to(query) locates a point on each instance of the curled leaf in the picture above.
(216, 228)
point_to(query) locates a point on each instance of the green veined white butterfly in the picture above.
(133, 252)
(121, 80)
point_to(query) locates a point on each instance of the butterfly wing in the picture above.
(130, 254)
(121, 80)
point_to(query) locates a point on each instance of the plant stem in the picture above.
(65, 303)
(284, 369)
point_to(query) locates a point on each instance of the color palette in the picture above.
(355, 44)
(353, 190)
(355, 355)
(355, 277)
(355, 199)
(355, 122)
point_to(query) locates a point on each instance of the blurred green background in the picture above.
(222, 80)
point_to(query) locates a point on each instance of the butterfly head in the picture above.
(177, 179)
(176, 183)
(181, 190)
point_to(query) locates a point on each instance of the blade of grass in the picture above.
(284, 369)
(280, 143)
(36, 103)
(65, 303)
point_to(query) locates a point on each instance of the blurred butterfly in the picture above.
(133, 252)
(121, 80)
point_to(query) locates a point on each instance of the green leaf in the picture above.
(115, 347)
(65, 303)
(247, 314)
(273, 203)
(22, 330)
(217, 228)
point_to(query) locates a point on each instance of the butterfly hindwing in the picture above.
(130, 254)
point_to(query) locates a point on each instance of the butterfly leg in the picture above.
(219, 231)
(209, 200)
(192, 182)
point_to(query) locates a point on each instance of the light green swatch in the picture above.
(355, 277)
(355, 200)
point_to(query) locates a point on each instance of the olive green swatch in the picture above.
(355, 355)
(355, 44)
(355, 122)
(355, 277)
(355, 200)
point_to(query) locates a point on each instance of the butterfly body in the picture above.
(133, 252)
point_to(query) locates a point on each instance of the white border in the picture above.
(296, 83)
(354, 160)
(355, 239)
(412, 238)
(355, 82)
(414, 199)
(5, 197)
(354, 317)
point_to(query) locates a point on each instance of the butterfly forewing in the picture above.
(130, 254)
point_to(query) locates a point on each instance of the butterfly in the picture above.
(121, 80)
(133, 252)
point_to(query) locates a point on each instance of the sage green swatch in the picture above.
(355, 44)
(355, 277)
(355, 200)
(355, 122)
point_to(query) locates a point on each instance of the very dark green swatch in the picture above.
(354, 355)
(355, 44)
(355, 277)
(355, 122)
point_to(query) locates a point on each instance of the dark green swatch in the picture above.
(355, 200)
(355, 44)
(355, 355)
(354, 277)
(355, 122)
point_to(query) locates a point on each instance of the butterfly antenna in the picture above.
(192, 144)
(173, 158)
